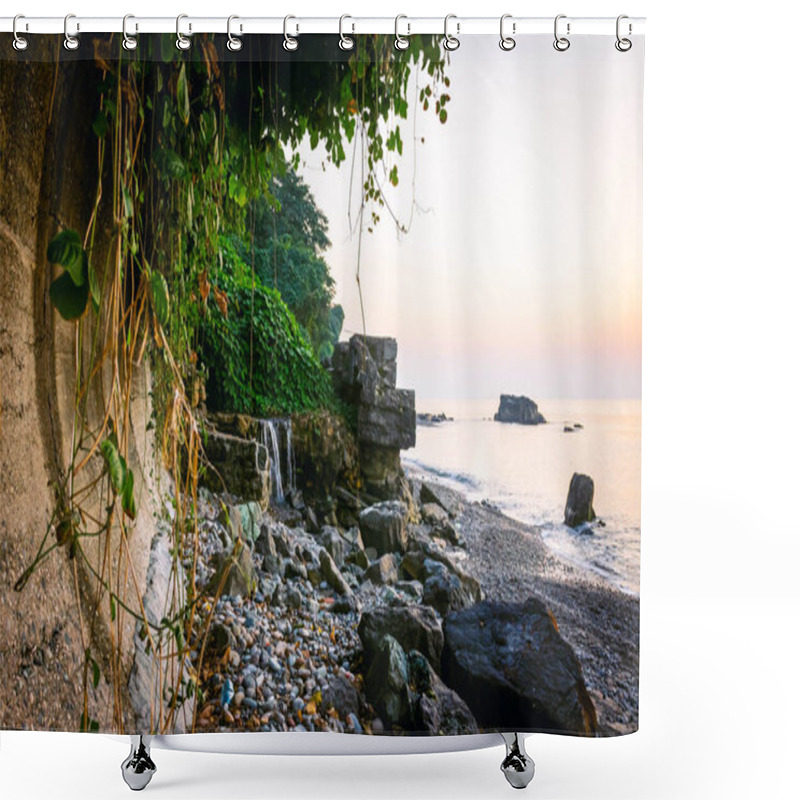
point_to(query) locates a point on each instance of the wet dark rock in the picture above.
(514, 670)
(519, 409)
(579, 501)
(386, 683)
(446, 593)
(340, 695)
(414, 627)
(383, 526)
(436, 709)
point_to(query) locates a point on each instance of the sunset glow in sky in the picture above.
(521, 271)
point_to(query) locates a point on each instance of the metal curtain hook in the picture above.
(289, 42)
(346, 42)
(182, 42)
(400, 42)
(561, 43)
(234, 43)
(451, 42)
(70, 42)
(623, 44)
(507, 42)
(20, 42)
(129, 42)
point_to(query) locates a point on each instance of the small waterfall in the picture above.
(271, 438)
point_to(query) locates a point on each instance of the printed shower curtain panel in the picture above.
(320, 381)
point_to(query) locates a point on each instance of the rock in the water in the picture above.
(383, 526)
(415, 627)
(332, 575)
(579, 501)
(446, 593)
(383, 571)
(236, 465)
(437, 710)
(514, 670)
(236, 572)
(519, 409)
(386, 683)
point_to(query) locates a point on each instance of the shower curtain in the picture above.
(320, 369)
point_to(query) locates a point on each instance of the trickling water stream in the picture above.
(273, 431)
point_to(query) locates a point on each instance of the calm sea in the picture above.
(526, 470)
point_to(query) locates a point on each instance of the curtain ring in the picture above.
(451, 42)
(129, 42)
(234, 43)
(400, 42)
(289, 42)
(561, 43)
(20, 42)
(345, 42)
(182, 42)
(70, 42)
(507, 42)
(623, 44)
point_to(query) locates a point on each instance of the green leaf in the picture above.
(113, 608)
(160, 297)
(128, 500)
(443, 116)
(66, 250)
(127, 203)
(183, 95)
(69, 300)
(100, 125)
(95, 674)
(117, 468)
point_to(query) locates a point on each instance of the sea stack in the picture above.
(579, 501)
(519, 409)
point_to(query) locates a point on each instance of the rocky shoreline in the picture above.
(318, 632)
(338, 594)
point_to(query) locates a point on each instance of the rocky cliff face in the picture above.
(364, 372)
(48, 181)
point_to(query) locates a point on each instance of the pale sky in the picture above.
(522, 272)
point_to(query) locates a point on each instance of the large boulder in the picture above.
(436, 709)
(579, 501)
(519, 409)
(364, 374)
(238, 466)
(415, 627)
(386, 683)
(383, 526)
(445, 592)
(514, 670)
(390, 421)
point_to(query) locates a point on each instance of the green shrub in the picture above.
(256, 358)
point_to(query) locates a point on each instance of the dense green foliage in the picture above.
(286, 241)
(286, 374)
